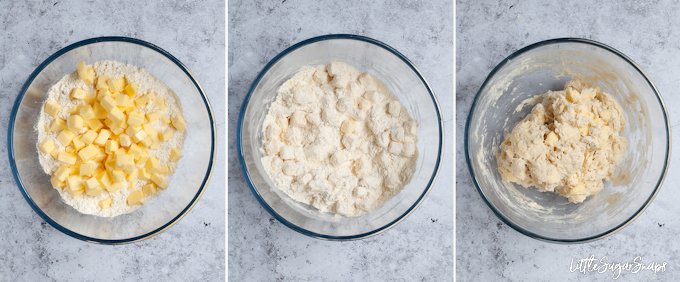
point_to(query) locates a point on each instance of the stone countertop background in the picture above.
(30, 249)
(417, 249)
(487, 32)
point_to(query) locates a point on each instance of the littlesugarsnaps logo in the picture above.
(603, 265)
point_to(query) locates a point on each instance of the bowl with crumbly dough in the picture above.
(111, 140)
(567, 140)
(340, 137)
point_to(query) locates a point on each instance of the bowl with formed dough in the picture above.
(508, 95)
(329, 189)
(75, 216)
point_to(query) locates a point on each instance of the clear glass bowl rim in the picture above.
(19, 99)
(557, 41)
(241, 153)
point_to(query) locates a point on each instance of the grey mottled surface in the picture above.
(31, 250)
(420, 247)
(487, 32)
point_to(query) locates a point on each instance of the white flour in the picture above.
(338, 140)
(145, 82)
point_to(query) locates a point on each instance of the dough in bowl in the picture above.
(570, 143)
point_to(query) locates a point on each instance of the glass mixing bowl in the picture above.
(544, 66)
(156, 215)
(400, 76)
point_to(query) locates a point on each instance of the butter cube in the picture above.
(137, 134)
(115, 186)
(123, 101)
(135, 198)
(135, 150)
(116, 115)
(99, 111)
(144, 174)
(121, 151)
(124, 140)
(105, 180)
(65, 137)
(90, 97)
(117, 130)
(93, 192)
(58, 125)
(75, 122)
(149, 190)
(47, 146)
(162, 169)
(70, 149)
(175, 154)
(117, 84)
(118, 175)
(107, 103)
(111, 146)
(110, 163)
(62, 172)
(74, 182)
(101, 94)
(87, 169)
(78, 93)
(56, 183)
(101, 83)
(76, 192)
(105, 203)
(130, 90)
(143, 100)
(88, 153)
(178, 122)
(136, 118)
(159, 103)
(52, 108)
(100, 156)
(149, 143)
(153, 116)
(102, 137)
(159, 180)
(86, 112)
(165, 119)
(95, 125)
(85, 72)
(77, 143)
(166, 135)
(152, 164)
(151, 132)
(132, 177)
(92, 184)
(67, 158)
(142, 158)
(111, 124)
(88, 137)
(124, 161)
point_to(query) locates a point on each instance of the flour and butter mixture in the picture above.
(337, 139)
(110, 136)
(568, 144)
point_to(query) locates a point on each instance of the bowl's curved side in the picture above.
(468, 138)
(244, 107)
(17, 104)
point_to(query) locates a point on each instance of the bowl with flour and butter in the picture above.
(340, 137)
(567, 140)
(103, 145)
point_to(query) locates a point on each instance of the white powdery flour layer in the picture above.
(337, 139)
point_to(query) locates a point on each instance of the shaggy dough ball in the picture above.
(569, 143)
